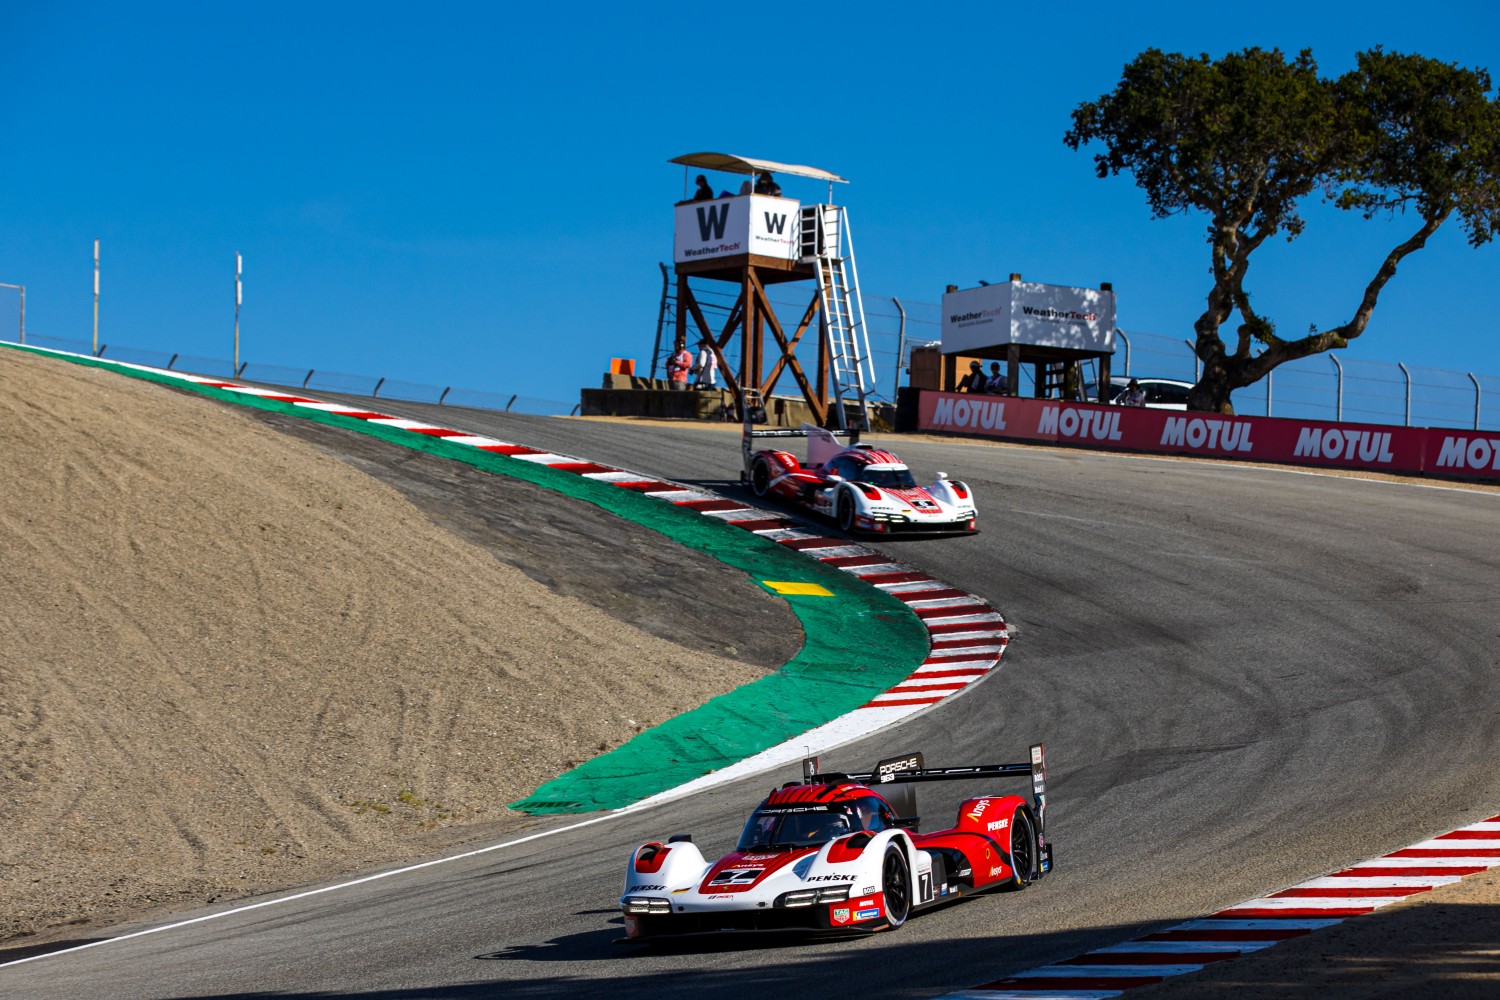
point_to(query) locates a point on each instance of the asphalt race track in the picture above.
(1245, 678)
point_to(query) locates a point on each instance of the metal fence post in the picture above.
(1404, 371)
(1197, 363)
(1476, 398)
(1338, 399)
(375, 392)
(172, 362)
(444, 395)
(1268, 393)
(1127, 357)
(309, 377)
(900, 349)
(512, 402)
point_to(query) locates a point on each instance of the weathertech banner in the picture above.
(1436, 451)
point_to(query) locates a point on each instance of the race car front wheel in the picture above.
(760, 478)
(846, 511)
(896, 886)
(1023, 850)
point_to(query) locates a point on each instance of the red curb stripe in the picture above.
(1227, 935)
(644, 485)
(939, 645)
(898, 702)
(968, 672)
(440, 432)
(1436, 852)
(845, 562)
(998, 628)
(509, 449)
(364, 415)
(914, 686)
(878, 578)
(1416, 872)
(291, 399)
(954, 611)
(813, 543)
(1379, 892)
(583, 468)
(955, 656)
(1470, 835)
(704, 506)
(1321, 913)
(912, 596)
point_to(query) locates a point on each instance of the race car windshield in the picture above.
(891, 479)
(769, 828)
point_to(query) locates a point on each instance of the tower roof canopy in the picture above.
(731, 164)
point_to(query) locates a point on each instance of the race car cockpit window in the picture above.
(802, 827)
(891, 479)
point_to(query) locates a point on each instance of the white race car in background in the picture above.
(864, 489)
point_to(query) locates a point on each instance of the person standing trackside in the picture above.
(678, 366)
(707, 367)
(1132, 396)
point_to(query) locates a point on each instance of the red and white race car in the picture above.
(864, 489)
(841, 853)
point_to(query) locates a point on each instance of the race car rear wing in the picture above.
(753, 412)
(910, 768)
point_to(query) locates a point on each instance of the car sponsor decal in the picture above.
(840, 915)
(646, 888)
(867, 914)
(999, 824)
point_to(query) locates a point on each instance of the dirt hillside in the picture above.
(232, 662)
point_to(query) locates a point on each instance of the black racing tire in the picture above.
(895, 886)
(846, 511)
(1025, 852)
(760, 477)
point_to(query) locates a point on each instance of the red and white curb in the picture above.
(967, 635)
(1258, 923)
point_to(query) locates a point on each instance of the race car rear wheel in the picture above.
(846, 511)
(1023, 850)
(760, 477)
(896, 886)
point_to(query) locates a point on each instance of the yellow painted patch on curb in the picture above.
(790, 587)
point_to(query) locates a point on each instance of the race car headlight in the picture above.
(645, 904)
(809, 897)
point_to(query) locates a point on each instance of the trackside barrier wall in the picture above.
(1377, 448)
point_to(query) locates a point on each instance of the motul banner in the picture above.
(1175, 432)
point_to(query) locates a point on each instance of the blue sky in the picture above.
(478, 194)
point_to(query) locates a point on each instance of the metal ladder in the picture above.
(825, 241)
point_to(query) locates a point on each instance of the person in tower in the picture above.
(974, 381)
(704, 192)
(766, 184)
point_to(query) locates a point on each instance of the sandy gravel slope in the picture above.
(231, 662)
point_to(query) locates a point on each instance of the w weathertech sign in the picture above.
(1263, 439)
(745, 224)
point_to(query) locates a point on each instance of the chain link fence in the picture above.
(1332, 386)
(315, 379)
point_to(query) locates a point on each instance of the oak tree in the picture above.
(1247, 137)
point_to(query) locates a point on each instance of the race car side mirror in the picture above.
(834, 477)
(942, 476)
(680, 838)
